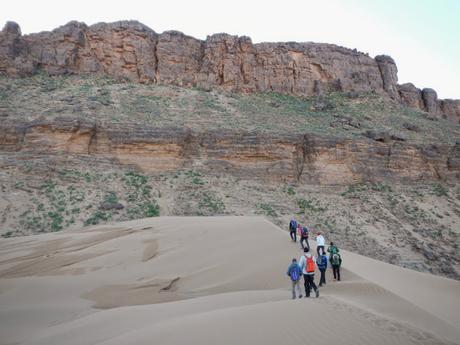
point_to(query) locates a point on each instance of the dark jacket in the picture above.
(304, 232)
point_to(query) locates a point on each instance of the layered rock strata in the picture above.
(303, 158)
(132, 51)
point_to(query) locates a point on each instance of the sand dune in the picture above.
(206, 281)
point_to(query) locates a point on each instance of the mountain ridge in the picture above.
(131, 50)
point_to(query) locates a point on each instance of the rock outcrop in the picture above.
(302, 158)
(131, 50)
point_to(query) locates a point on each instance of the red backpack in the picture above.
(309, 264)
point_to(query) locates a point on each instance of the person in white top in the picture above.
(307, 264)
(320, 242)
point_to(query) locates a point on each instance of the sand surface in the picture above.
(215, 280)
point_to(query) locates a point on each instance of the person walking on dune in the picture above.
(336, 261)
(332, 250)
(304, 238)
(308, 264)
(320, 242)
(293, 229)
(294, 272)
(321, 262)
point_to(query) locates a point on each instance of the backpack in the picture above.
(295, 274)
(304, 231)
(293, 225)
(335, 259)
(320, 261)
(309, 264)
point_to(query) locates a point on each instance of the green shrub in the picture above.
(211, 203)
(96, 217)
(440, 190)
(267, 209)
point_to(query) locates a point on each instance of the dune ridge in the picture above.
(171, 280)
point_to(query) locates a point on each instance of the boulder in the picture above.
(430, 98)
(106, 206)
(411, 127)
(411, 96)
(382, 136)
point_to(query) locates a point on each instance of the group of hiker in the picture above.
(307, 264)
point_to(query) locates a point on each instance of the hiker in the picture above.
(332, 250)
(321, 262)
(320, 241)
(307, 264)
(294, 272)
(293, 229)
(299, 229)
(304, 237)
(336, 261)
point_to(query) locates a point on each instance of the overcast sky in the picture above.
(423, 36)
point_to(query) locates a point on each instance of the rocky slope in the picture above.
(131, 50)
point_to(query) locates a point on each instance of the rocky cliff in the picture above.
(307, 159)
(131, 50)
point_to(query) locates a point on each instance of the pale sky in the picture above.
(423, 36)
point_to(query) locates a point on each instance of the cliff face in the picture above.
(301, 158)
(133, 51)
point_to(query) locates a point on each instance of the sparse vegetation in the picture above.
(440, 190)
(96, 218)
(266, 209)
(104, 98)
(312, 205)
(211, 204)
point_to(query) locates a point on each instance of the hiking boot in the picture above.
(300, 296)
(317, 293)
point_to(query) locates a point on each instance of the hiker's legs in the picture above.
(335, 271)
(338, 273)
(312, 282)
(297, 286)
(302, 239)
(306, 285)
(293, 236)
(322, 279)
(293, 288)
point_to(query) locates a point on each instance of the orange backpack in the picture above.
(310, 264)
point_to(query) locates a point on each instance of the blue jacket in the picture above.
(294, 267)
(321, 262)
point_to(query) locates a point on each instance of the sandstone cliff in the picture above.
(131, 50)
(309, 159)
